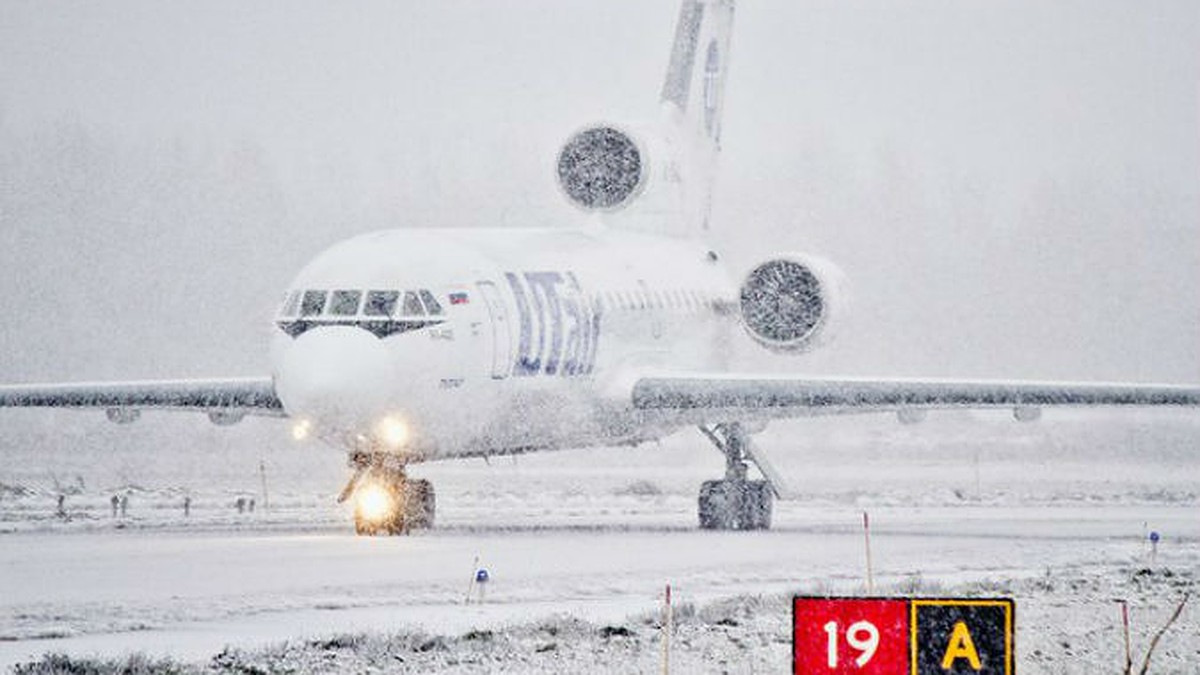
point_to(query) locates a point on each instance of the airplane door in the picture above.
(501, 339)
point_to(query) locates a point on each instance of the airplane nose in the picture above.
(338, 375)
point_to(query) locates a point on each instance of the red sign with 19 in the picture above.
(850, 635)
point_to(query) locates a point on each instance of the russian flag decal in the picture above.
(459, 298)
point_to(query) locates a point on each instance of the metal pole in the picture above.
(667, 627)
(867, 542)
(471, 585)
(1125, 624)
(262, 472)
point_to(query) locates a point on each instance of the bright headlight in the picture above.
(374, 503)
(393, 431)
(301, 429)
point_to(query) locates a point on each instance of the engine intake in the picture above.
(787, 303)
(601, 168)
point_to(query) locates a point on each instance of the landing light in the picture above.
(374, 503)
(301, 429)
(393, 431)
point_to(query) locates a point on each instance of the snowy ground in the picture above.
(579, 545)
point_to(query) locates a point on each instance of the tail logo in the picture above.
(712, 94)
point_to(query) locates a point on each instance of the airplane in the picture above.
(413, 345)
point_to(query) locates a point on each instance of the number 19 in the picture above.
(862, 636)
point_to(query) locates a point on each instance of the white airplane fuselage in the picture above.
(535, 330)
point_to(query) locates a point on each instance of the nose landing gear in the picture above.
(386, 500)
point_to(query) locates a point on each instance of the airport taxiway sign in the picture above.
(902, 636)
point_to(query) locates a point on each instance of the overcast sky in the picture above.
(1012, 188)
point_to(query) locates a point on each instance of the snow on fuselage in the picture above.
(442, 343)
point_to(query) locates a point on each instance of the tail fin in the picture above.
(692, 97)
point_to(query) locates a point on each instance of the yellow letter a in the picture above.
(961, 647)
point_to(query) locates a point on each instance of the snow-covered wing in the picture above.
(255, 396)
(761, 396)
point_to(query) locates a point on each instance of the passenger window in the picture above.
(431, 303)
(345, 303)
(313, 303)
(291, 304)
(381, 303)
(411, 306)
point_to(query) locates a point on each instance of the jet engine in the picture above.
(787, 303)
(602, 168)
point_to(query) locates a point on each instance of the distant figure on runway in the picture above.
(124, 504)
(61, 511)
(116, 502)
(187, 506)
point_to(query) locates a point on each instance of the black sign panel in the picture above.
(962, 637)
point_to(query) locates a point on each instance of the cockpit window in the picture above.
(344, 303)
(291, 304)
(411, 306)
(313, 303)
(382, 313)
(431, 303)
(381, 303)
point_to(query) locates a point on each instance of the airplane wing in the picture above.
(231, 398)
(709, 397)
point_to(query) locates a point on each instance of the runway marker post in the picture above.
(262, 473)
(867, 543)
(666, 631)
(481, 580)
(1125, 626)
(978, 489)
(1154, 547)
(471, 585)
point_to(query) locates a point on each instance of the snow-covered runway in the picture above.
(596, 534)
(188, 595)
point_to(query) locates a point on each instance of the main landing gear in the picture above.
(734, 503)
(386, 500)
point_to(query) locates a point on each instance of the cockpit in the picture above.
(381, 312)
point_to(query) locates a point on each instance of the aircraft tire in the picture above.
(716, 505)
(756, 506)
(362, 528)
(420, 503)
(735, 505)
